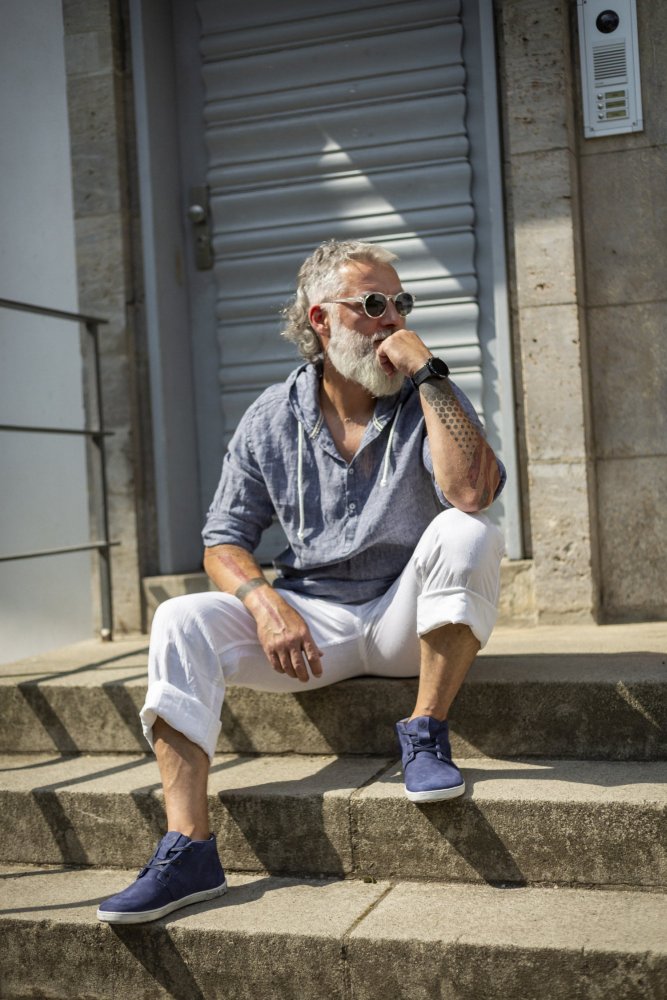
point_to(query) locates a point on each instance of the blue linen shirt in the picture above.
(350, 527)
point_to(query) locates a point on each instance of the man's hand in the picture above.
(402, 351)
(284, 635)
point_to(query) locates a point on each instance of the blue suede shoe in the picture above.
(182, 871)
(429, 773)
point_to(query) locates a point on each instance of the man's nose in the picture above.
(391, 315)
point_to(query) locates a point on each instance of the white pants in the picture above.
(202, 642)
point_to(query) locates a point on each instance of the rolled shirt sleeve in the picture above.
(242, 507)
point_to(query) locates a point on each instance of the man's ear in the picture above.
(318, 319)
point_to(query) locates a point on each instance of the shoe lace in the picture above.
(434, 746)
(172, 857)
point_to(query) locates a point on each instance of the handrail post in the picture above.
(104, 551)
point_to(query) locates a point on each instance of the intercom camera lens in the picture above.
(607, 21)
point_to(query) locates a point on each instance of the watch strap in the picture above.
(430, 370)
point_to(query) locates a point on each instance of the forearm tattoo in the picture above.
(230, 563)
(444, 403)
(442, 400)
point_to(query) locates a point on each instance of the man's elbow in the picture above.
(474, 499)
(469, 504)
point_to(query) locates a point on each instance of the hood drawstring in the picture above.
(299, 472)
(299, 479)
(387, 453)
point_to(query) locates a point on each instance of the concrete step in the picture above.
(582, 691)
(521, 822)
(288, 939)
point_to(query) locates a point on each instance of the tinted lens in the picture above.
(375, 304)
(404, 303)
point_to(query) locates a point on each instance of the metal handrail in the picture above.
(83, 432)
(96, 437)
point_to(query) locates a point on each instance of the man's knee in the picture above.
(189, 611)
(175, 614)
(462, 541)
(458, 570)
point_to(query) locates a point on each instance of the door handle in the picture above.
(199, 215)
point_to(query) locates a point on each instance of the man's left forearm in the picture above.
(465, 467)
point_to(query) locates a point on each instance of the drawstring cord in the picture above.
(387, 453)
(299, 472)
(299, 477)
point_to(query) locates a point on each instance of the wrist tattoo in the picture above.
(258, 581)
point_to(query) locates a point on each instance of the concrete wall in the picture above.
(624, 214)
(549, 320)
(105, 221)
(44, 602)
(586, 231)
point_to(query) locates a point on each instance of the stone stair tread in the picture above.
(630, 782)
(637, 647)
(538, 692)
(333, 938)
(527, 822)
(57, 893)
(124, 774)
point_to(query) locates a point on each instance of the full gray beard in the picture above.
(354, 356)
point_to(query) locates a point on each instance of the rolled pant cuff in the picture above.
(456, 606)
(183, 713)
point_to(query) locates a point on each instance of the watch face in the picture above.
(438, 367)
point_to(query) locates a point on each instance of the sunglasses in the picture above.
(375, 304)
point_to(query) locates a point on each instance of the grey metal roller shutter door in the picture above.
(347, 122)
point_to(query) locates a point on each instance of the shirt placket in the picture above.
(355, 491)
(352, 502)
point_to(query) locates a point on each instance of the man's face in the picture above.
(354, 336)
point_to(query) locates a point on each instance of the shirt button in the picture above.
(350, 471)
(352, 507)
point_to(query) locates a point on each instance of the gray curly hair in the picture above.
(319, 279)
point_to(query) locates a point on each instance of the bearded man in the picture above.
(377, 468)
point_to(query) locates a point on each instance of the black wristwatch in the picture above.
(434, 368)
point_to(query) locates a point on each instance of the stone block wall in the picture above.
(586, 233)
(624, 214)
(105, 215)
(546, 294)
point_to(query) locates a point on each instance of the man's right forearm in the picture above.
(282, 632)
(233, 570)
(236, 571)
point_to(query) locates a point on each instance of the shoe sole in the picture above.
(436, 794)
(145, 916)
